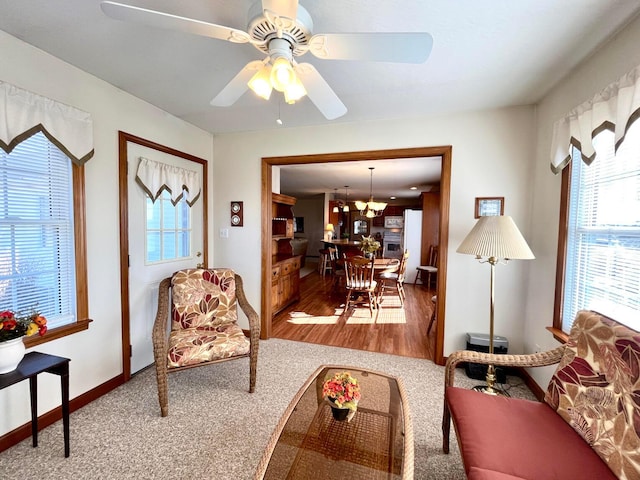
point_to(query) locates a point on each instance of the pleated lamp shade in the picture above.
(496, 236)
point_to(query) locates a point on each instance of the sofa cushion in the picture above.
(596, 390)
(203, 298)
(476, 473)
(520, 438)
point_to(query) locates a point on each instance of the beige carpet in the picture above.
(216, 429)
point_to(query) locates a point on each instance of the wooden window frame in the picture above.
(80, 239)
(563, 227)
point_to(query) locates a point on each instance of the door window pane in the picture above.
(168, 230)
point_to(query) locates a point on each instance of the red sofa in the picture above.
(588, 426)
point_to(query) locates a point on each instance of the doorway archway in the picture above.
(444, 152)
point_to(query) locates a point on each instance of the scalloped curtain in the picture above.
(154, 177)
(614, 108)
(24, 113)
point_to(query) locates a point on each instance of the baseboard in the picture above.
(531, 383)
(24, 431)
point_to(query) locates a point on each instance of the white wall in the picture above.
(609, 63)
(492, 156)
(312, 210)
(96, 353)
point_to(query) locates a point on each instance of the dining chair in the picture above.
(338, 271)
(431, 268)
(201, 305)
(434, 305)
(359, 281)
(394, 280)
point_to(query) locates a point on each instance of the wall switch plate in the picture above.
(224, 233)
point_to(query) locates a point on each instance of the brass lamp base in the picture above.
(490, 388)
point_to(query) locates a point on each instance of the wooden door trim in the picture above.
(123, 139)
(444, 152)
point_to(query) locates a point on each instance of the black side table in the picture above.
(31, 365)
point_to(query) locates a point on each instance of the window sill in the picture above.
(558, 334)
(56, 333)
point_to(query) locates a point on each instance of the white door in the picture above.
(150, 256)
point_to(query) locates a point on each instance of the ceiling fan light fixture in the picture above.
(260, 83)
(282, 74)
(294, 91)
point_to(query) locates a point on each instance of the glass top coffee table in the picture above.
(377, 443)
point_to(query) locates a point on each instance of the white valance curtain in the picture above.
(23, 114)
(154, 177)
(615, 108)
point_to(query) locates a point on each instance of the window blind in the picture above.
(603, 247)
(36, 231)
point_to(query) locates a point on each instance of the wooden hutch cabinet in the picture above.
(285, 267)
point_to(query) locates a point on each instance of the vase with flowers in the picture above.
(369, 246)
(13, 327)
(342, 391)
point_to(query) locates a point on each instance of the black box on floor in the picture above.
(479, 342)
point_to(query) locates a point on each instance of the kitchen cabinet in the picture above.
(285, 283)
(285, 266)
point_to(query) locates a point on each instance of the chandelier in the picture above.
(370, 209)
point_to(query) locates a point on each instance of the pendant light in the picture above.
(345, 208)
(371, 209)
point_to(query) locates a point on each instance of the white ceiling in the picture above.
(390, 178)
(486, 54)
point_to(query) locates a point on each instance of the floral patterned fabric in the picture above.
(596, 389)
(203, 318)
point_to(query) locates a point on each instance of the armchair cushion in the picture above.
(203, 298)
(204, 316)
(205, 344)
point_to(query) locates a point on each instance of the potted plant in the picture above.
(369, 246)
(342, 391)
(12, 328)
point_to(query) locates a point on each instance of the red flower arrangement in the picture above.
(343, 390)
(15, 326)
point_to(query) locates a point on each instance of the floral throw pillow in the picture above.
(203, 298)
(596, 389)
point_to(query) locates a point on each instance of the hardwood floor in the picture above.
(319, 318)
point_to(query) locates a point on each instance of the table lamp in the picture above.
(491, 240)
(329, 231)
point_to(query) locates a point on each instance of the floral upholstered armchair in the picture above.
(204, 327)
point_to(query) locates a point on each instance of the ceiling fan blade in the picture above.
(153, 18)
(280, 12)
(409, 47)
(237, 86)
(319, 92)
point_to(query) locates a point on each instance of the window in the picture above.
(40, 256)
(599, 253)
(168, 229)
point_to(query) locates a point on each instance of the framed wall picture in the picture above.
(489, 206)
(298, 224)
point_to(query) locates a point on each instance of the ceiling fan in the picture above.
(283, 30)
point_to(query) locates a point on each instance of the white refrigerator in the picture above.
(412, 241)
